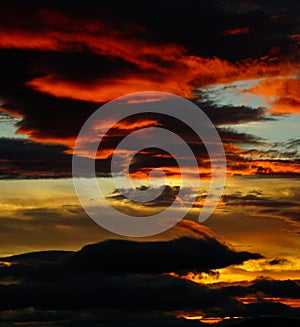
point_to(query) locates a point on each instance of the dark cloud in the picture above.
(38, 256)
(192, 25)
(122, 257)
(266, 288)
(277, 288)
(166, 197)
(128, 278)
(96, 318)
(141, 292)
(291, 144)
(251, 199)
(231, 115)
(42, 115)
(117, 275)
(282, 207)
(21, 158)
(267, 321)
(229, 135)
(175, 256)
(31, 159)
(111, 318)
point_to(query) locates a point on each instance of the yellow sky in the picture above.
(46, 214)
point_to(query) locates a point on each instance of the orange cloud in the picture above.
(166, 67)
(262, 167)
(282, 94)
(276, 167)
(25, 40)
(293, 303)
(240, 164)
(185, 74)
(126, 125)
(100, 38)
(38, 136)
(104, 90)
(239, 161)
(144, 173)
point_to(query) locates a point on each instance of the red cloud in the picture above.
(237, 31)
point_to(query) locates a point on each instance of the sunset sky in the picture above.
(239, 62)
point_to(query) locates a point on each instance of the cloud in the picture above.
(118, 275)
(229, 135)
(277, 288)
(33, 160)
(274, 204)
(237, 31)
(29, 225)
(231, 115)
(282, 94)
(30, 159)
(24, 158)
(39, 54)
(167, 195)
(259, 162)
(82, 318)
(60, 62)
(122, 257)
(210, 254)
(252, 199)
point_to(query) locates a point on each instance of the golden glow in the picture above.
(293, 303)
(5, 263)
(205, 319)
(54, 205)
(248, 271)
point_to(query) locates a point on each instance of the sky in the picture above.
(238, 62)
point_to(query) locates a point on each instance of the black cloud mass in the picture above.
(118, 280)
